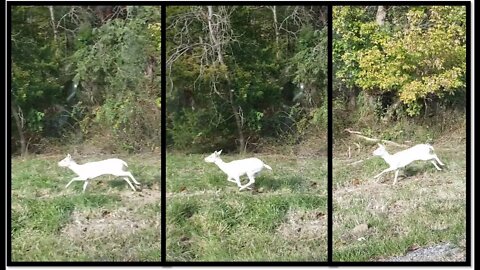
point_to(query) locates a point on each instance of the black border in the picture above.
(330, 261)
(468, 142)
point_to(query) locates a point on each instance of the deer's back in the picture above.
(417, 152)
(107, 166)
(248, 165)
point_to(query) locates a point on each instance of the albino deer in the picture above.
(401, 159)
(234, 169)
(90, 170)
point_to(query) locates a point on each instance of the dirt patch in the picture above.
(98, 223)
(439, 253)
(141, 197)
(101, 223)
(227, 190)
(305, 225)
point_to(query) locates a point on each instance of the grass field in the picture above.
(284, 218)
(374, 220)
(109, 222)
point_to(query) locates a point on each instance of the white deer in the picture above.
(401, 159)
(90, 170)
(234, 169)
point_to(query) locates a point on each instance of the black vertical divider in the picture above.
(164, 150)
(330, 138)
(9, 150)
(468, 146)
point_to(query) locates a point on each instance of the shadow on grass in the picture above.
(294, 183)
(120, 184)
(409, 172)
(418, 169)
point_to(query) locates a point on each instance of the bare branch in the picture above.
(359, 134)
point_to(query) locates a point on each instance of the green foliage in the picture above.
(422, 58)
(114, 63)
(112, 69)
(310, 59)
(36, 77)
(262, 68)
(195, 130)
(349, 36)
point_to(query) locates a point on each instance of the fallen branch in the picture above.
(356, 162)
(359, 134)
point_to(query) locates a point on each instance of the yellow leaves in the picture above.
(155, 26)
(447, 81)
(410, 91)
(368, 29)
(426, 57)
(155, 33)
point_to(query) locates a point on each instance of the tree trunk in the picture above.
(277, 33)
(238, 123)
(381, 15)
(18, 123)
(235, 109)
(52, 18)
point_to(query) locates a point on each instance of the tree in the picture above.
(92, 69)
(36, 80)
(413, 55)
(233, 73)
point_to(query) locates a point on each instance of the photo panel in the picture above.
(246, 101)
(400, 128)
(85, 134)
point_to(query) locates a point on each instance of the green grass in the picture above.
(426, 207)
(109, 222)
(282, 219)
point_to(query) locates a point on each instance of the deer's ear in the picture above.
(69, 155)
(379, 145)
(219, 152)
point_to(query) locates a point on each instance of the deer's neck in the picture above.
(222, 165)
(75, 167)
(388, 158)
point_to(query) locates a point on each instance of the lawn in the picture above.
(373, 220)
(109, 222)
(283, 218)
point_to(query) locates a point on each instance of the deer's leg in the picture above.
(252, 181)
(438, 160)
(74, 179)
(231, 180)
(237, 180)
(396, 176)
(130, 183)
(131, 176)
(85, 185)
(435, 164)
(384, 171)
